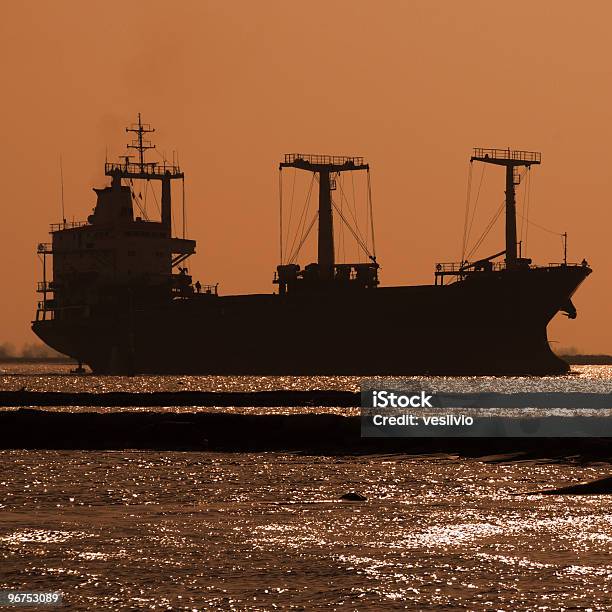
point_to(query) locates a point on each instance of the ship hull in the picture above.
(488, 324)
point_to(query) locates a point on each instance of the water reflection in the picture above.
(197, 530)
(41, 377)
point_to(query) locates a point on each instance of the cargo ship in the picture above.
(119, 298)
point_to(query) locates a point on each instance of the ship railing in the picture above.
(45, 286)
(152, 169)
(336, 160)
(450, 267)
(49, 304)
(58, 227)
(48, 309)
(563, 264)
(43, 314)
(529, 156)
(189, 291)
(45, 310)
(460, 269)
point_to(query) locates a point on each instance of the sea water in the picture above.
(133, 530)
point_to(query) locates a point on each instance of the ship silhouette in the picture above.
(120, 298)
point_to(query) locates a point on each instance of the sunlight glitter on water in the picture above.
(136, 530)
(37, 377)
(253, 531)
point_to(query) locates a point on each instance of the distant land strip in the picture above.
(59, 360)
(587, 359)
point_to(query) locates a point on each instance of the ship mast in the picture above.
(140, 144)
(147, 170)
(511, 160)
(324, 166)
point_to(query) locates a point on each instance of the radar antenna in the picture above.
(147, 170)
(140, 144)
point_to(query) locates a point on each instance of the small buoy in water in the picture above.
(352, 496)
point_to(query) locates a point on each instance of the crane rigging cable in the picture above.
(340, 227)
(493, 221)
(155, 200)
(467, 211)
(357, 238)
(184, 209)
(469, 229)
(341, 248)
(522, 196)
(302, 220)
(303, 230)
(486, 231)
(301, 243)
(290, 207)
(526, 218)
(371, 209)
(541, 227)
(280, 212)
(353, 215)
(355, 202)
(145, 196)
(526, 221)
(135, 199)
(527, 209)
(354, 231)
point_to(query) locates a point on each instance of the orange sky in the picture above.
(231, 86)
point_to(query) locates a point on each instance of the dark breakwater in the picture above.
(222, 431)
(342, 399)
